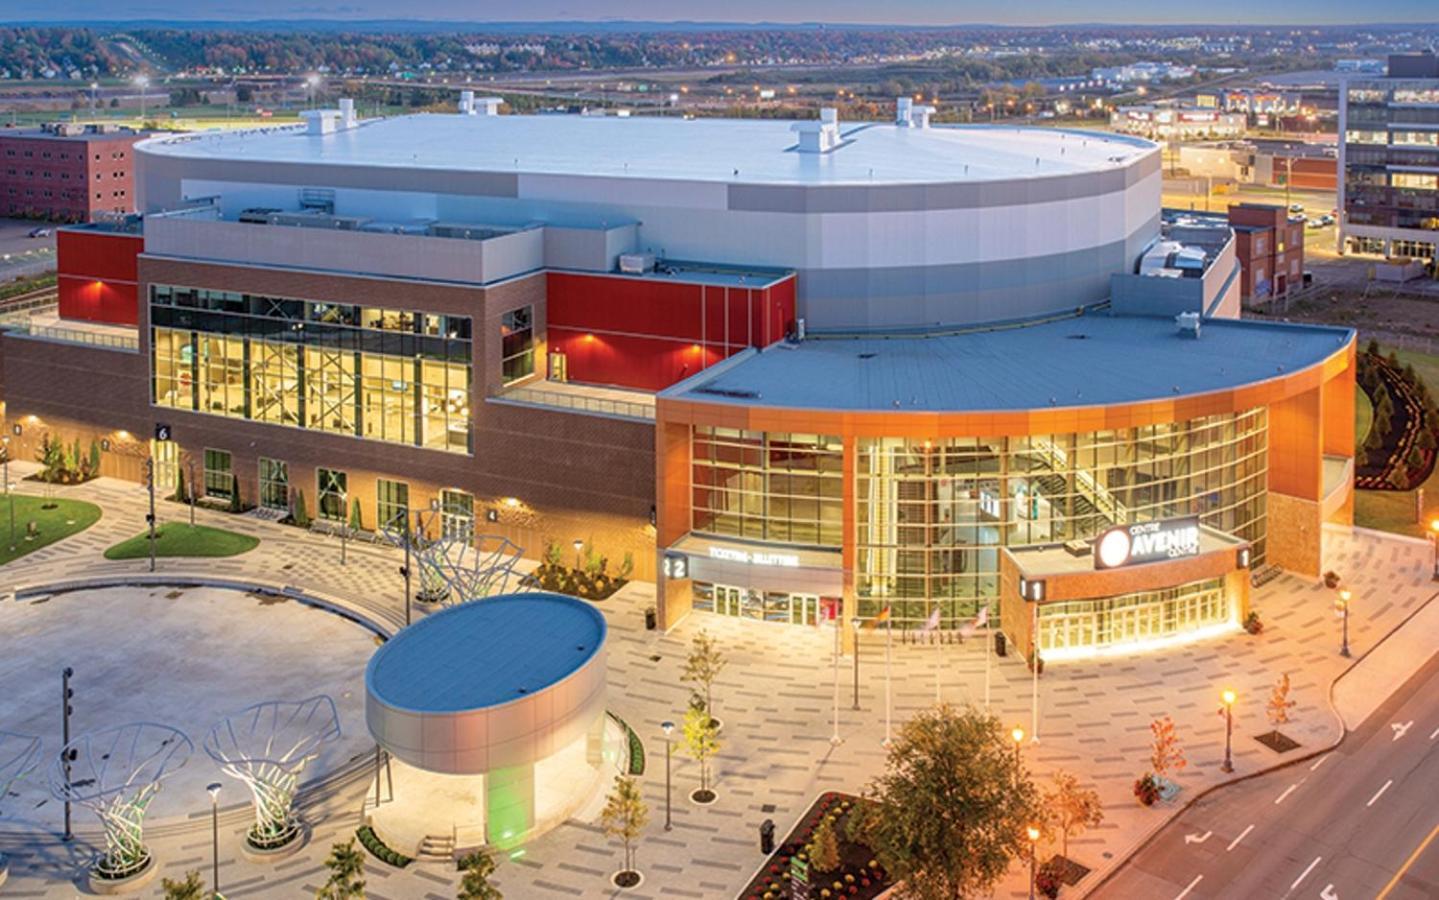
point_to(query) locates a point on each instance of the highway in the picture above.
(1360, 822)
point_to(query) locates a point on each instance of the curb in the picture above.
(1120, 861)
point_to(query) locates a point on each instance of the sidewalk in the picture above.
(776, 698)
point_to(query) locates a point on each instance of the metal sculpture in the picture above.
(267, 746)
(456, 568)
(115, 773)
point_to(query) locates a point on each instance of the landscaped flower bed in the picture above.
(858, 875)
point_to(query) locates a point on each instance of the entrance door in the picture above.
(559, 367)
(727, 600)
(166, 456)
(803, 609)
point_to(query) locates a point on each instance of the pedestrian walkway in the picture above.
(777, 698)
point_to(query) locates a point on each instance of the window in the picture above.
(333, 494)
(1418, 180)
(457, 515)
(787, 488)
(219, 480)
(392, 504)
(274, 484)
(517, 339)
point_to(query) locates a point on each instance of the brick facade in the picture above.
(66, 178)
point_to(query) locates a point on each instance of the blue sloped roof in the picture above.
(485, 653)
(1095, 359)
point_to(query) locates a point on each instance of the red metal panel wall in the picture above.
(97, 275)
(647, 363)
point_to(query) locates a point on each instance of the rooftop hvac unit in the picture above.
(1188, 323)
(636, 263)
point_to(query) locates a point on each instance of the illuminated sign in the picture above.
(1127, 545)
(676, 566)
(757, 558)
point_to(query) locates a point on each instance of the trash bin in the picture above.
(650, 620)
(1000, 647)
(766, 837)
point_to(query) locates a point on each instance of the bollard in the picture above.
(766, 837)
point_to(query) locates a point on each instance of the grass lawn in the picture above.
(67, 518)
(178, 539)
(1394, 510)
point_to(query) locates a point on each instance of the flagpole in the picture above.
(938, 657)
(888, 635)
(1034, 667)
(988, 639)
(835, 738)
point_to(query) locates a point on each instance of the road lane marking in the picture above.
(1287, 791)
(1242, 835)
(1434, 735)
(1319, 762)
(1305, 874)
(1185, 893)
(1329, 893)
(1401, 728)
(1197, 838)
(1407, 864)
(1379, 793)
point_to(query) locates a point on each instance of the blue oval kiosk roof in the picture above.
(485, 653)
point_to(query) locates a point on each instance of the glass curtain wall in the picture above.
(1132, 618)
(932, 516)
(785, 488)
(388, 375)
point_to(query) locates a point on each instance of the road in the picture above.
(1360, 822)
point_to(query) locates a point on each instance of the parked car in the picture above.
(41, 232)
(1296, 207)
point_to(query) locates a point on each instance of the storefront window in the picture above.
(785, 488)
(1082, 625)
(457, 515)
(219, 478)
(333, 495)
(274, 484)
(517, 340)
(392, 504)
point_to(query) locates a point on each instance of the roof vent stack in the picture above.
(1188, 323)
(909, 115)
(821, 136)
(487, 106)
(467, 103)
(347, 113)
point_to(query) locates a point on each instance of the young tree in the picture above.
(1279, 703)
(949, 812)
(704, 665)
(347, 869)
(702, 743)
(180, 496)
(1071, 808)
(625, 817)
(475, 883)
(1166, 754)
(192, 888)
(824, 846)
(357, 518)
(300, 514)
(236, 504)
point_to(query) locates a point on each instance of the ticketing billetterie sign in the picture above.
(1147, 542)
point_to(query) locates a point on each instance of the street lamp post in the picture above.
(1228, 698)
(1033, 834)
(668, 728)
(855, 623)
(1434, 543)
(834, 738)
(214, 789)
(190, 464)
(67, 693)
(1018, 734)
(9, 497)
(143, 83)
(150, 517)
(1343, 610)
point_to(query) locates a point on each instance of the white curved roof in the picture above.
(735, 151)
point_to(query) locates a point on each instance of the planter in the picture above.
(625, 879)
(703, 797)
(101, 884)
(262, 854)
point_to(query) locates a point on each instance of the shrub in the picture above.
(235, 503)
(379, 849)
(1147, 790)
(1252, 623)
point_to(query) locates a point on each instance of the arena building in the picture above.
(794, 370)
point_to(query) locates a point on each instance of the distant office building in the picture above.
(1176, 123)
(65, 172)
(1302, 166)
(1142, 73)
(1364, 66)
(1389, 155)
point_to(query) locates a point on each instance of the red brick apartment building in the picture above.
(1270, 249)
(65, 172)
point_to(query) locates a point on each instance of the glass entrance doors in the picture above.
(727, 600)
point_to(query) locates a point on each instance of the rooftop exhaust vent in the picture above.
(909, 115)
(1188, 323)
(821, 136)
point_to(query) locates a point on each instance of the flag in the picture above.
(932, 622)
(877, 620)
(968, 629)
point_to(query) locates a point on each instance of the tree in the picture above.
(357, 519)
(347, 870)
(824, 846)
(94, 458)
(701, 742)
(1071, 808)
(950, 810)
(704, 665)
(1166, 753)
(625, 817)
(475, 883)
(236, 505)
(1279, 703)
(180, 496)
(300, 514)
(192, 888)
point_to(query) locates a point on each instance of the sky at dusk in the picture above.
(920, 12)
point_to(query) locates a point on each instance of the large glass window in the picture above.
(787, 488)
(457, 515)
(333, 494)
(392, 375)
(219, 477)
(1132, 618)
(392, 504)
(517, 339)
(274, 484)
(931, 516)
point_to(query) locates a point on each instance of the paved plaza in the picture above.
(776, 699)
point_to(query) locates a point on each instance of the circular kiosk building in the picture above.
(493, 716)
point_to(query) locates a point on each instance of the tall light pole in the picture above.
(1228, 697)
(1434, 543)
(1017, 734)
(855, 623)
(9, 497)
(150, 517)
(311, 82)
(888, 683)
(1033, 834)
(67, 755)
(214, 789)
(668, 728)
(190, 464)
(834, 738)
(405, 569)
(143, 82)
(1341, 606)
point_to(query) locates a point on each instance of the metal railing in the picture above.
(581, 403)
(20, 325)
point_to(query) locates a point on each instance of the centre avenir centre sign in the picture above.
(1146, 542)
